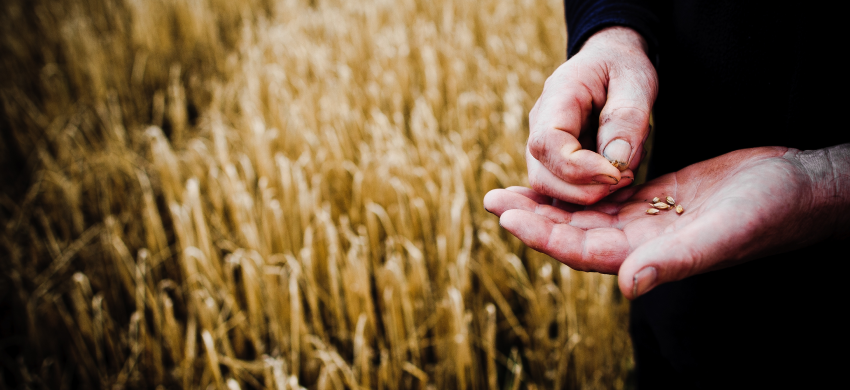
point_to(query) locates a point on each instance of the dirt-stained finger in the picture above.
(544, 182)
(562, 155)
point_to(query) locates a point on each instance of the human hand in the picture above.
(738, 207)
(610, 84)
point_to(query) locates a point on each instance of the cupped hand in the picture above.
(738, 207)
(599, 100)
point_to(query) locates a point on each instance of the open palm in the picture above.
(739, 206)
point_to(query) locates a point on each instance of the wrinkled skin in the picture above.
(739, 206)
(602, 94)
(595, 109)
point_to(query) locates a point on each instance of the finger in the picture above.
(627, 177)
(599, 250)
(561, 153)
(562, 112)
(694, 248)
(500, 201)
(544, 182)
(640, 153)
(624, 121)
(543, 199)
(531, 194)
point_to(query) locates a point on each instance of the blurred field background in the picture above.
(218, 195)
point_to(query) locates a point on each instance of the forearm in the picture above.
(829, 172)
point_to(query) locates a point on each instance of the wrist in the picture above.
(828, 170)
(617, 37)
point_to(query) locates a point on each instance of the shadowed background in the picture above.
(258, 194)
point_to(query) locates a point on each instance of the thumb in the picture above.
(624, 120)
(696, 248)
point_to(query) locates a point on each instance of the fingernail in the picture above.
(618, 153)
(605, 179)
(643, 281)
(488, 210)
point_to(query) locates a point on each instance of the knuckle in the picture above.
(537, 185)
(556, 77)
(542, 186)
(537, 145)
(625, 116)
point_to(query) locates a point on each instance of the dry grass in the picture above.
(218, 194)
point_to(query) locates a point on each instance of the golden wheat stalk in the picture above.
(284, 194)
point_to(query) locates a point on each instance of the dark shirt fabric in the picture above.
(734, 75)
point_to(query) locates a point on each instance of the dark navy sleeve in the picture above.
(585, 17)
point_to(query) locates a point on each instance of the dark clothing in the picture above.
(734, 75)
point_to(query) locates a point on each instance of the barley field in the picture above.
(215, 194)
